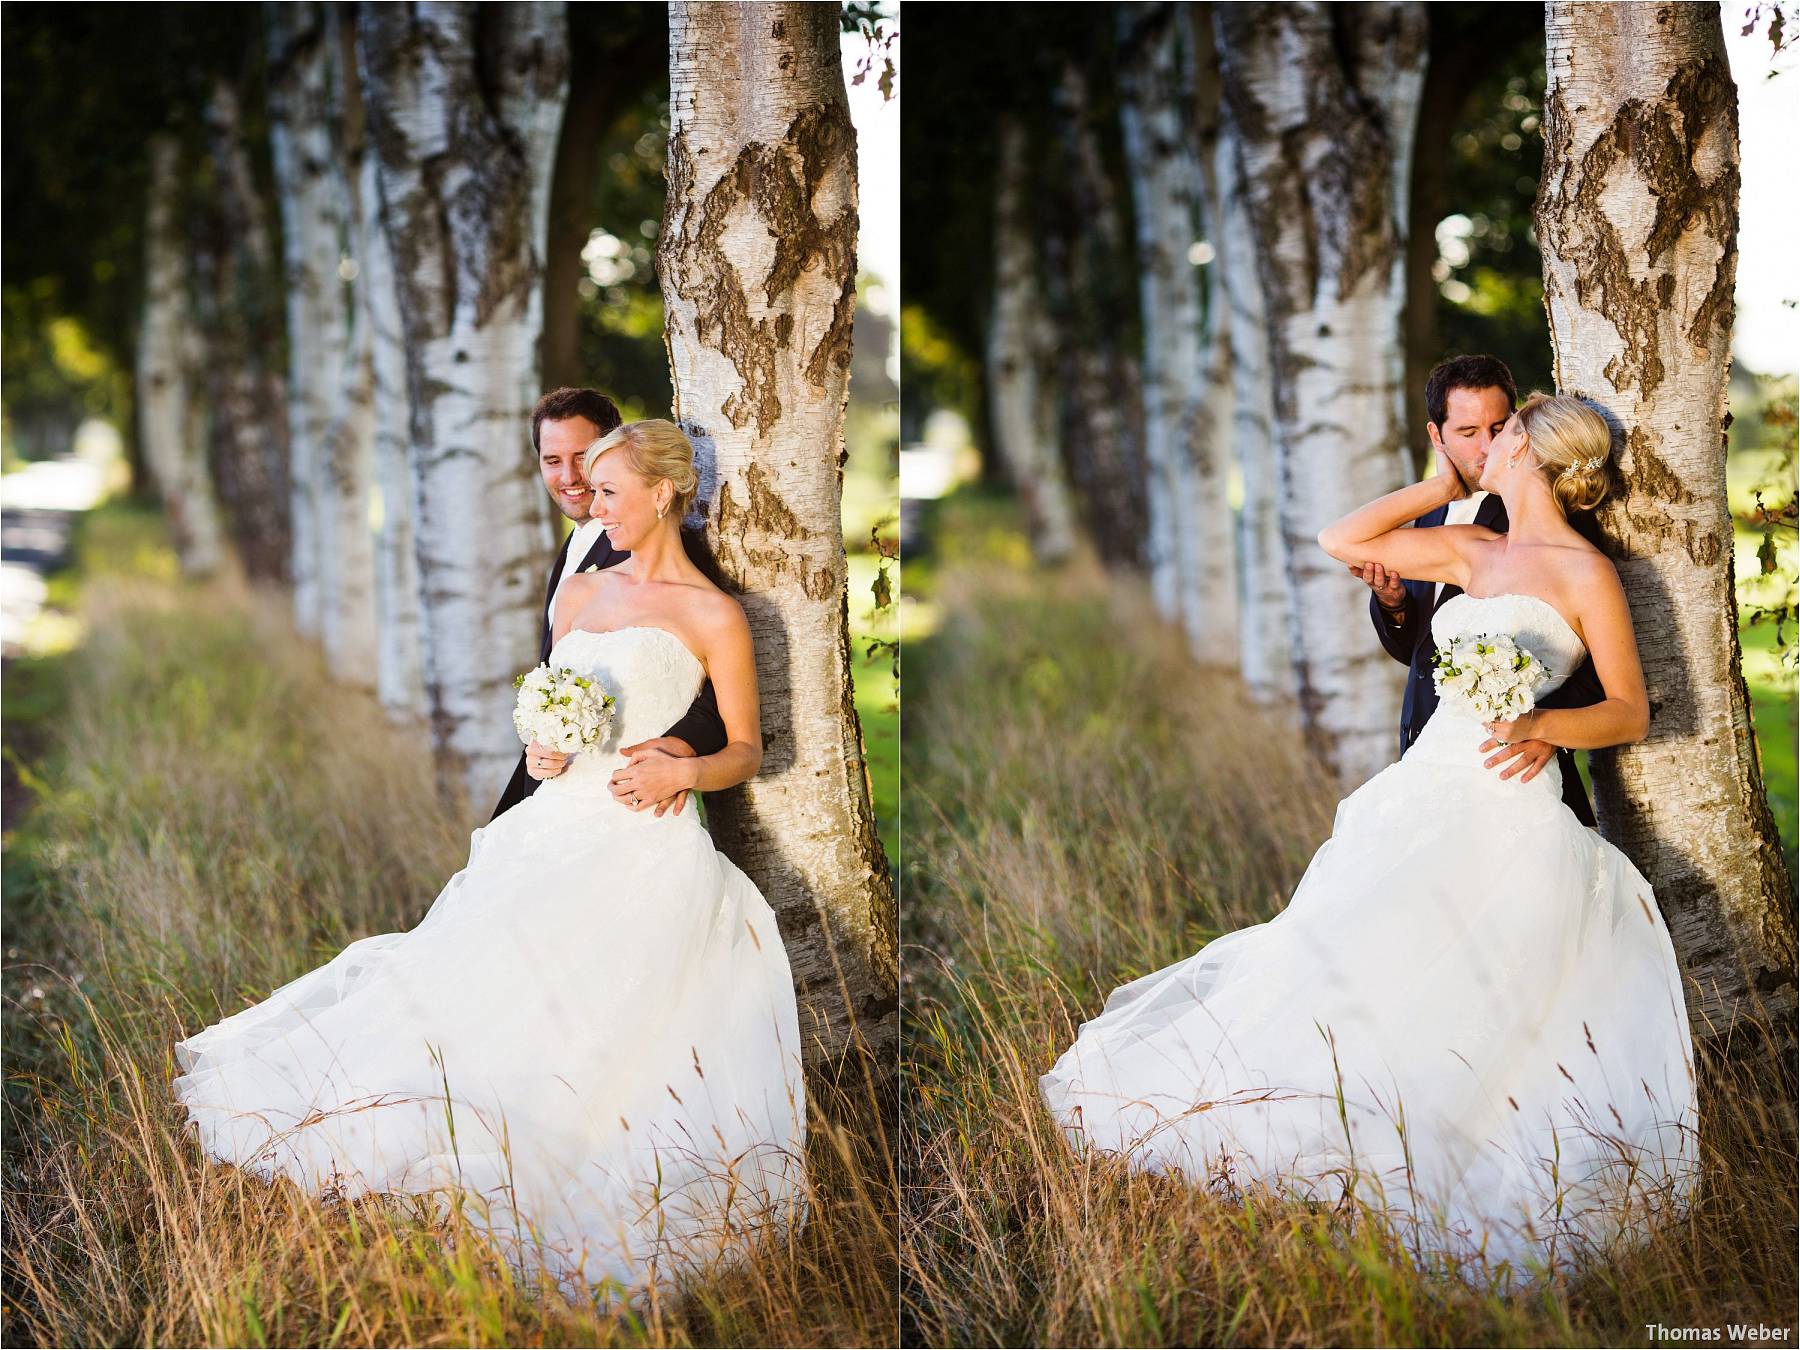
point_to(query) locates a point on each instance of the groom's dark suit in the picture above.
(702, 728)
(1410, 644)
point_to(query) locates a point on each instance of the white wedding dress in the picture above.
(591, 1035)
(1489, 983)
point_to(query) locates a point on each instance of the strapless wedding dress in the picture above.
(592, 1034)
(1470, 1012)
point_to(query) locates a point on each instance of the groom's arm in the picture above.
(701, 728)
(1398, 629)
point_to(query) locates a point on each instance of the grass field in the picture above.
(1084, 806)
(205, 817)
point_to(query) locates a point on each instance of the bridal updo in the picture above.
(1574, 444)
(655, 449)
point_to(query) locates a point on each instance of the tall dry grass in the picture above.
(208, 817)
(1084, 806)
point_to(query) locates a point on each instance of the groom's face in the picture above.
(560, 445)
(1472, 418)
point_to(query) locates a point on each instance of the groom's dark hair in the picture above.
(1465, 372)
(560, 404)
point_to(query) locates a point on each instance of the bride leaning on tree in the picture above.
(593, 1031)
(1469, 1015)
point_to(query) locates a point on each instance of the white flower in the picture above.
(1492, 678)
(562, 710)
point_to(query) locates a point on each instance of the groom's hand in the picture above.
(668, 745)
(1528, 757)
(1389, 587)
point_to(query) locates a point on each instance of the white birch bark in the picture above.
(1323, 100)
(463, 141)
(1638, 218)
(168, 348)
(311, 224)
(400, 670)
(1191, 552)
(1014, 361)
(347, 612)
(758, 265)
(1265, 659)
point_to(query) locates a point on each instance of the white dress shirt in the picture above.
(585, 537)
(1459, 512)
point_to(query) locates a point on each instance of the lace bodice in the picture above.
(653, 677)
(1532, 623)
(1453, 736)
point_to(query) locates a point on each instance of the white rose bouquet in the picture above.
(562, 710)
(1492, 677)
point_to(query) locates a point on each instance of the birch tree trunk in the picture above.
(758, 266)
(1192, 553)
(1016, 396)
(1323, 99)
(168, 345)
(1638, 217)
(463, 138)
(1163, 178)
(1210, 593)
(1092, 311)
(399, 663)
(346, 539)
(311, 221)
(240, 307)
(1265, 658)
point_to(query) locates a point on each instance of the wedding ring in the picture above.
(636, 800)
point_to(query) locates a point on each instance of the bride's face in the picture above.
(1508, 446)
(624, 503)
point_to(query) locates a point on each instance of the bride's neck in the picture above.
(660, 557)
(1531, 509)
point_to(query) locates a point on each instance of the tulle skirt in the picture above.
(1469, 1015)
(591, 1038)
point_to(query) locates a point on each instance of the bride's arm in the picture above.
(730, 662)
(1377, 533)
(1623, 716)
(571, 598)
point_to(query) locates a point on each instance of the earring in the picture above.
(661, 511)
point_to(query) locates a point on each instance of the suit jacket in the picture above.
(1410, 644)
(701, 728)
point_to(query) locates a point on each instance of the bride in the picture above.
(1469, 1015)
(592, 1033)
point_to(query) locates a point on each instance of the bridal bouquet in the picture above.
(560, 709)
(1492, 677)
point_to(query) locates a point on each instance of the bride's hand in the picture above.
(1528, 758)
(541, 762)
(1454, 487)
(652, 777)
(1511, 733)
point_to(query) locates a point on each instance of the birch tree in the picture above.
(168, 348)
(1089, 287)
(1190, 550)
(462, 123)
(758, 266)
(346, 541)
(1265, 659)
(300, 144)
(1638, 219)
(1323, 98)
(1015, 361)
(399, 666)
(240, 308)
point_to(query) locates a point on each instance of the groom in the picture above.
(1467, 401)
(563, 425)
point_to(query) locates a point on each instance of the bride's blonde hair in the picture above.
(1574, 443)
(655, 449)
